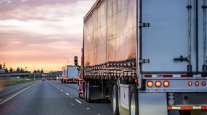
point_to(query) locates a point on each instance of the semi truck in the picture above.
(149, 57)
(70, 74)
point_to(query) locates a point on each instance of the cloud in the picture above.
(43, 9)
(35, 32)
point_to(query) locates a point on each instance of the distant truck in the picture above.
(70, 74)
(149, 57)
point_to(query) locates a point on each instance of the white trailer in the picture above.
(70, 74)
(151, 54)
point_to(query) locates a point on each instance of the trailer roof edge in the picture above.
(95, 5)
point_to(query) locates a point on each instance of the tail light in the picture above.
(203, 83)
(149, 84)
(196, 83)
(190, 84)
(158, 84)
(166, 83)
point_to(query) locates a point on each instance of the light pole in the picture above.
(34, 73)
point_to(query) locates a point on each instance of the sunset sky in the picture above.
(41, 33)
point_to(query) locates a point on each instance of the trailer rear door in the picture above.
(202, 35)
(167, 35)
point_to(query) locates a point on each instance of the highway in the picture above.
(50, 98)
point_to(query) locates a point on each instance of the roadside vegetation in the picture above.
(13, 81)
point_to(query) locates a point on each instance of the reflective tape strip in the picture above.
(147, 75)
(177, 76)
(154, 76)
(195, 108)
(169, 75)
(186, 75)
(176, 108)
(204, 107)
(187, 107)
(173, 108)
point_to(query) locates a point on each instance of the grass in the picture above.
(13, 81)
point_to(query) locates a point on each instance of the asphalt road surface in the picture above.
(50, 98)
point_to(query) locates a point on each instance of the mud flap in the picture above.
(152, 104)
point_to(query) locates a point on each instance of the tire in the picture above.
(88, 92)
(85, 91)
(115, 100)
(133, 106)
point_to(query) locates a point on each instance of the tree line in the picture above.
(12, 70)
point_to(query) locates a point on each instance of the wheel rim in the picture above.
(132, 106)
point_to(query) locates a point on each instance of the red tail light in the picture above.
(203, 83)
(196, 83)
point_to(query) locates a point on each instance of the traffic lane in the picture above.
(72, 91)
(12, 89)
(44, 99)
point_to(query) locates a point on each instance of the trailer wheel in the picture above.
(115, 100)
(133, 108)
(85, 91)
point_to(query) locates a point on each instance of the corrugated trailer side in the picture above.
(110, 38)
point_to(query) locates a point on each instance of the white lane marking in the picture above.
(67, 94)
(61, 90)
(78, 101)
(14, 95)
(88, 108)
(99, 114)
(57, 87)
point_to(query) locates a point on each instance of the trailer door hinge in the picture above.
(204, 6)
(143, 61)
(181, 59)
(145, 24)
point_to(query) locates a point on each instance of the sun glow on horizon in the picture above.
(31, 67)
